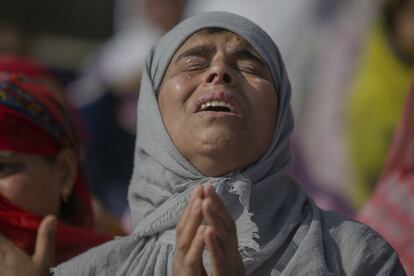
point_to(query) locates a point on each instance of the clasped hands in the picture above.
(206, 222)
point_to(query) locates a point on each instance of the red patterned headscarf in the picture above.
(34, 120)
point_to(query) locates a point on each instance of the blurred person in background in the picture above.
(393, 199)
(378, 93)
(323, 131)
(104, 221)
(45, 208)
(20, 64)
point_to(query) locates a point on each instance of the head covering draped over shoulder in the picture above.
(280, 231)
(34, 122)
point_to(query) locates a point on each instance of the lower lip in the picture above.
(217, 114)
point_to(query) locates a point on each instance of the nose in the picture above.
(220, 72)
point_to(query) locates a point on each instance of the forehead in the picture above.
(212, 36)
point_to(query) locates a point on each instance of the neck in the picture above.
(215, 167)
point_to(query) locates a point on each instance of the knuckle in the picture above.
(190, 262)
(182, 247)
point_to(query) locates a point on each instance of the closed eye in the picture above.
(9, 168)
(195, 58)
(248, 69)
(193, 63)
(250, 63)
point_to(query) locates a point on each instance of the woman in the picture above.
(40, 175)
(214, 122)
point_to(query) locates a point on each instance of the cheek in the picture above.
(264, 102)
(173, 97)
(264, 111)
(25, 192)
(17, 189)
(36, 193)
(179, 87)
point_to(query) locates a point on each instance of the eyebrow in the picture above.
(200, 50)
(205, 50)
(8, 154)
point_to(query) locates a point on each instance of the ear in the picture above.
(67, 166)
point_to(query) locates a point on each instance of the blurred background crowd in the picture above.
(349, 61)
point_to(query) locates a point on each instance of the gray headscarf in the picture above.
(280, 231)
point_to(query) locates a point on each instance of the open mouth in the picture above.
(217, 106)
(222, 102)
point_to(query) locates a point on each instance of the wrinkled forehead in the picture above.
(208, 35)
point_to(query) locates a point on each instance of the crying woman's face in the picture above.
(218, 102)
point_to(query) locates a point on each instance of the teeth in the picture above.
(216, 103)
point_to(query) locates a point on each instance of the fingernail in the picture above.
(196, 206)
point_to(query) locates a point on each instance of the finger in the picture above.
(188, 231)
(194, 255)
(217, 202)
(217, 216)
(215, 252)
(187, 226)
(196, 193)
(45, 243)
(216, 224)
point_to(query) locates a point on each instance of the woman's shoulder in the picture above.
(360, 249)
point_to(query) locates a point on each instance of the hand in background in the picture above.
(13, 261)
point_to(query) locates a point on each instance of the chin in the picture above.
(218, 151)
(217, 145)
(219, 160)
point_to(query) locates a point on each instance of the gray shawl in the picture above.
(280, 230)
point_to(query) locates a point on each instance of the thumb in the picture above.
(44, 255)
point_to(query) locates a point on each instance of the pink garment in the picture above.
(390, 211)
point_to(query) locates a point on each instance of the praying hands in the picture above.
(206, 222)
